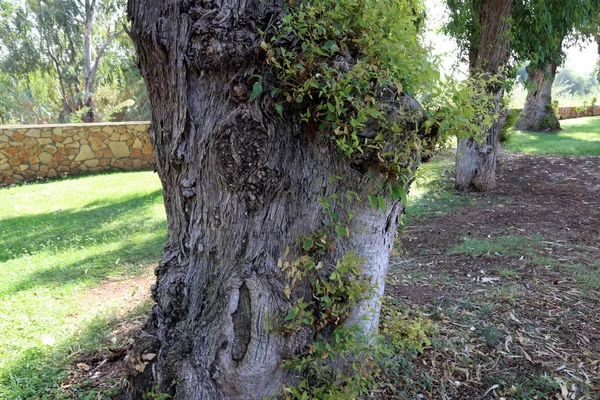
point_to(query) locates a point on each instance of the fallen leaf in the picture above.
(83, 366)
(486, 279)
(148, 356)
(141, 366)
(496, 386)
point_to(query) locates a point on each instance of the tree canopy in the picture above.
(54, 52)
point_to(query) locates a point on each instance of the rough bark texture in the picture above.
(537, 114)
(476, 163)
(240, 185)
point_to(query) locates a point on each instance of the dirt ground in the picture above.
(518, 318)
(512, 279)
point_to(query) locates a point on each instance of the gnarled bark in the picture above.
(537, 114)
(476, 163)
(241, 184)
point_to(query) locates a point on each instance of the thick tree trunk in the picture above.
(537, 114)
(476, 163)
(241, 185)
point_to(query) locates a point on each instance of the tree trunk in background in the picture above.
(88, 78)
(476, 163)
(241, 184)
(537, 114)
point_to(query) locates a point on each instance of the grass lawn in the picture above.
(580, 136)
(60, 242)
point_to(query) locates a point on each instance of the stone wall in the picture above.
(578, 112)
(29, 152)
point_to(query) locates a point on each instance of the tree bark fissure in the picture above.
(241, 185)
(476, 163)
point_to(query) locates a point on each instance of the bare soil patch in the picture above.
(102, 372)
(513, 281)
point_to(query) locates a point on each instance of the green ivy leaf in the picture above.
(341, 230)
(373, 201)
(381, 203)
(292, 314)
(398, 192)
(279, 109)
(257, 90)
(331, 46)
(308, 244)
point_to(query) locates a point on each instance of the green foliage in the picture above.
(342, 66)
(510, 122)
(575, 82)
(464, 26)
(561, 24)
(333, 293)
(405, 331)
(42, 63)
(348, 54)
(320, 381)
(333, 296)
(462, 108)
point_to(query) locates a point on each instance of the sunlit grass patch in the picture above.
(432, 192)
(579, 137)
(58, 241)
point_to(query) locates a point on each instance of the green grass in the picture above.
(579, 137)
(57, 240)
(500, 246)
(432, 192)
(508, 273)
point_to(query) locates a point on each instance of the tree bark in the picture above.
(88, 73)
(537, 114)
(476, 162)
(241, 186)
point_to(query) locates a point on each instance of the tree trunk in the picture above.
(88, 78)
(538, 114)
(475, 162)
(242, 186)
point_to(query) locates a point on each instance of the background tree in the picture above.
(56, 38)
(285, 139)
(482, 29)
(542, 30)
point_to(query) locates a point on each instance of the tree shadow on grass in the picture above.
(95, 268)
(97, 222)
(40, 371)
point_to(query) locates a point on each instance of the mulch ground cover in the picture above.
(512, 281)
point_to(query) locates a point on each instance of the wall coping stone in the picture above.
(39, 126)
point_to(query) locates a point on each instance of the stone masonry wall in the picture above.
(29, 152)
(578, 112)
